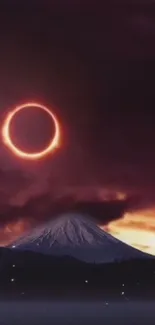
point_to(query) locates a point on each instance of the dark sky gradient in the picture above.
(95, 64)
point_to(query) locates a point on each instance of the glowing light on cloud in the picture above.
(54, 143)
(13, 230)
(109, 195)
(136, 229)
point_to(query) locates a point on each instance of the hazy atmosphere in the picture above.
(94, 66)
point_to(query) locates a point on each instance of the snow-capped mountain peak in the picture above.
(75, 235)
(67, 230)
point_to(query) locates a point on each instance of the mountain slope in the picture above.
(78, 236)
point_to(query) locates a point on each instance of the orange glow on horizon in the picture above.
(136, 229)
(13, 231)
(6, 137)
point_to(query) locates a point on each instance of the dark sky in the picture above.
(95, 65)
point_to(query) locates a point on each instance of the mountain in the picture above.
(77, 236)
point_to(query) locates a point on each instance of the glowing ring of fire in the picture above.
(22, 154)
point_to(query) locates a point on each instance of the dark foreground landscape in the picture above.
(28, 275)
(40, 289)
(67, 313)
